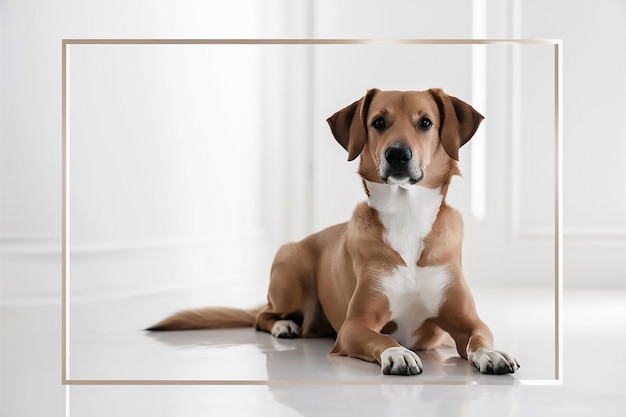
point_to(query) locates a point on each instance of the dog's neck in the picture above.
(407, 213)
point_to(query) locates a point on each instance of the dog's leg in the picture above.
(272, 323)
(357, 340)
(472, 337)
(481, 355)
(288, 289)
(360, 337)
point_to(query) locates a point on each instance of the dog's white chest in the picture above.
(407, 214)
(414, 293)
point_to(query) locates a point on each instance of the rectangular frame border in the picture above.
(558, 226)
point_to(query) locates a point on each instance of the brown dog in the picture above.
(389, 281)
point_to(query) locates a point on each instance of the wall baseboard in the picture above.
(31, 266)
(31, 273)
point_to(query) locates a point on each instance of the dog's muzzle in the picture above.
(399, 167)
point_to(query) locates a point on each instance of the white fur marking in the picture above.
(400, 361)
(285, 328)
(414, 293)
(489, 361)
(408, 215)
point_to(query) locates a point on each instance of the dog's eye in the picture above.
(424, 123)
(379, 123)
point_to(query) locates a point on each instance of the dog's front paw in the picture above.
(400, 361)
(286, 329)
(489, 361)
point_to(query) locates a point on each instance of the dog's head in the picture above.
(405, 137)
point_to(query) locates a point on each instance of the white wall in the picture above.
(514, 243)
(30, 149)
(594, 174)
(309, 87)
(165, 154)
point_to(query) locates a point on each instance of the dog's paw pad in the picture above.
(489, 361)
(400, 361)
(286, 329)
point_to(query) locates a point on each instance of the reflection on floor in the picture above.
(107, 343)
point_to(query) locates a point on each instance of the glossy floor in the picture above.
(106, 343)
(259, 375)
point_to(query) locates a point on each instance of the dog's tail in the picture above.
(208, 318)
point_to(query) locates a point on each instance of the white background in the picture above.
(149, 222)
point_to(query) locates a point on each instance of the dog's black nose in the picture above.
(398, 155)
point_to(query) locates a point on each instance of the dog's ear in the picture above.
(459, 121)
(349, 125)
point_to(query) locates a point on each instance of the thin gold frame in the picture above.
(558, 253)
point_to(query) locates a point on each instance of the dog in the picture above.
(387, 283)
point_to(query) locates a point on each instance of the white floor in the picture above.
(242, 372)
